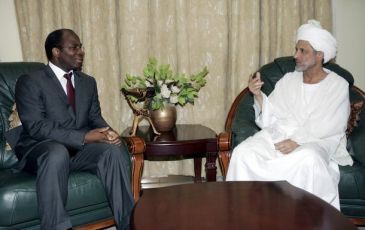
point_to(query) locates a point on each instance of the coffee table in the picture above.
(235, 205)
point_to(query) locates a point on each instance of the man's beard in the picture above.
(298, 68)
(303, 66)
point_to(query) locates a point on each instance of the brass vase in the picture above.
(164, 119)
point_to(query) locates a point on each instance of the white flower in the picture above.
(165, 92)
(175, 89)
(173, 99)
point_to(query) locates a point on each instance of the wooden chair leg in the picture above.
(358, 221)
(97, 225)
(224, 142)
(136, 146)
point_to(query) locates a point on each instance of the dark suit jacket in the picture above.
(46, 115)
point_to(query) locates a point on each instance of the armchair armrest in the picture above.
(136, 147)
(224, 142)
(227, 140)
(240, 124)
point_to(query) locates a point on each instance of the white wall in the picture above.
(10, 49)
(349, 19)
(348, 29)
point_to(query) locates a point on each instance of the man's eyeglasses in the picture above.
(73, 48)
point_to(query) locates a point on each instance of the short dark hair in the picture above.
(54, 39)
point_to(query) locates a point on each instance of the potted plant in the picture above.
(169, 89)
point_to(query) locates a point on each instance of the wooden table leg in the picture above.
(210, 167)
(198, 170)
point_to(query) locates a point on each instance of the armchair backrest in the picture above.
(9, 73)
(242, 114)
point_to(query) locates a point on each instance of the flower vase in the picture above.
(164, 119)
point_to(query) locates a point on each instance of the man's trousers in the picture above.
(52, 163)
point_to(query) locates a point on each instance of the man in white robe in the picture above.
(303, 123)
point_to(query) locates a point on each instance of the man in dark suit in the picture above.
(63, 131)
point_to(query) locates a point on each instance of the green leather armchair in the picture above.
(87, 203)
(240, 124)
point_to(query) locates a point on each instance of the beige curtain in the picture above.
(232, 38)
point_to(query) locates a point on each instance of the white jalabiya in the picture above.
(316, 122)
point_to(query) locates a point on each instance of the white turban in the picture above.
(320, 39)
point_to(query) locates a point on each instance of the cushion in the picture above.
(352, 182)
(19, 199)
(356, 108)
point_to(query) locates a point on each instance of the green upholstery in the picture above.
(86, 203)
(352, 183)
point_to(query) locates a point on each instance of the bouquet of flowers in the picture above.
(168, 87)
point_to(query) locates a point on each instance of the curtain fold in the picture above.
(233, 38)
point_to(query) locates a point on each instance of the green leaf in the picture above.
(152, 61)
(181, 101)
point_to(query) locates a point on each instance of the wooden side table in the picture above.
(183, 142)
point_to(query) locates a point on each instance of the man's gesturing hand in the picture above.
(255, 84)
